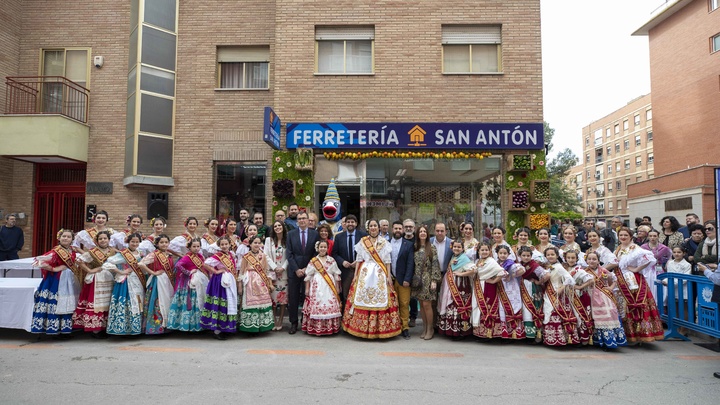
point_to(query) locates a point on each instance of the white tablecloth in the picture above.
(20, 268)
(17, 297)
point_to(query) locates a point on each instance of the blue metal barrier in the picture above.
(677, 308)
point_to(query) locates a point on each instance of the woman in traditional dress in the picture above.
(209, 238)
(642, 321)
(244, 246)
(85, 239)
(132, 225)
(276, 256)
(126, 305)
(455, 300)
(486, 303)
(321, 311)
(428, 276)
(325, 233)
(523, 239)
(159, 292)
(608, 261)
(158, 225)
(219, 313)
(469, 242)
(559, 321)
(498, 239)
(91, 313)
(178, 245)
(531, 293)
(609, 333)
(371, 309)
(58, 290)
(191, 282)
(230, 227)
(569, 233)
(256, 287)
(662, 255)
(581, 299)
(543, 235)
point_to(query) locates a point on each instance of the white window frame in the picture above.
(345, 34)
(715, 43)
(469, 35)
(651, 158)
(243, 55)
(638, 160)
(713, 5)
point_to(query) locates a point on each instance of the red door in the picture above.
(59, 203)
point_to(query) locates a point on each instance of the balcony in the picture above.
(45, 120)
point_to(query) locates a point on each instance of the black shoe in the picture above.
(717, 374)
(406, 334)
(293, 329)
(220, 336)
(411, 323)
(65, 336)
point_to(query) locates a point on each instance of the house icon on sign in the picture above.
(417, 135)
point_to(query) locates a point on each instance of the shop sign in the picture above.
(271, 128)
(430, 135)
(376, 203)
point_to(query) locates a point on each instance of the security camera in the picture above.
(98, 61)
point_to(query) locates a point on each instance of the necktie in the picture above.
(302, 242)
(351, 251)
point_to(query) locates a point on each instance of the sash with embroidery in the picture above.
(98, 255)
(537, 314)
(567, 316)
(187, 237)
(328, 279)
(66, 257)
(92, 232)
(600, 284)
(257, 267)
(233, 244)
(511, 318)
(635, 302)
(582, 312)
(489, 314)
(164, 262)
(375, 255)
(227, 261)
(464, 307)
(133, 263)
(197, 261)
(208, 238)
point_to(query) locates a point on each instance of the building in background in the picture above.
(684, 40)
(159, 107)
(617, 152)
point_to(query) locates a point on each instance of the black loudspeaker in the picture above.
(157, 205)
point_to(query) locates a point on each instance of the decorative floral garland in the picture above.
(294, 185)
(406, 155)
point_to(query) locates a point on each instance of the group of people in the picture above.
(361, 281)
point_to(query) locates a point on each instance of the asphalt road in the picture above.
(277, 368)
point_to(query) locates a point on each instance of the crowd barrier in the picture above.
(686, 301)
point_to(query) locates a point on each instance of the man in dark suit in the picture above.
(344, 251)
(300, 249)
(403, 267)
(443, 244)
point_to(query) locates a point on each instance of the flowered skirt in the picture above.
(153, 322)
(184, 311)
(44, 317)
(452, 322)
(215, 312)
(559, 332)
(647, 327)
(85, 316)
(121, 320)
(372, 324)
(256, 320)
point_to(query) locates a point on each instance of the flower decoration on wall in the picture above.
(294, 185)
(394, 154)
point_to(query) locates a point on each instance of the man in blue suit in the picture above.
(403, 267)
(300, 249)
(344, 252)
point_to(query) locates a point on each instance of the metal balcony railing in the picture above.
(46, 95)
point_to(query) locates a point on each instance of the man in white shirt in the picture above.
(442, 244)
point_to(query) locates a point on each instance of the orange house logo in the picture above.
(417, 135)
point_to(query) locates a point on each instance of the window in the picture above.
(637, 119)
(618, 186)
(345, 50)
(715, 43)
(609, 150)
(617, 148)
(637, 140)
(617, 167)
(638, 161)
(587, 141)
(626, 144)
(713, 4)
(610, 205)
(609, 169)
(609, 186)
(587, 158)
(649, 136)
(648, 115)
(617, 128)
(598, 137)
(72, 64)
(627, 164)
(240, 185)
(638, 179)
(619, 205)
(650, 158)
(588, 174)
(472, 48)
(607, 132)
(625, 125)
(243, 67)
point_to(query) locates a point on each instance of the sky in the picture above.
(592, 65)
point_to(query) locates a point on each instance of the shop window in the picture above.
(243, 67)
(344, 50)
(239, 186)
(472, 48)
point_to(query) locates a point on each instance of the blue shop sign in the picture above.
(428, 135)
(271, 128)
